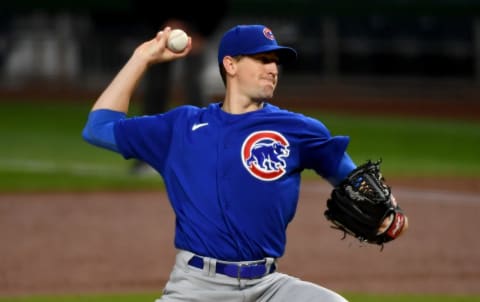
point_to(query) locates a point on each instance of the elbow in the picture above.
(100, 136)
(87, 135)
(99, 129)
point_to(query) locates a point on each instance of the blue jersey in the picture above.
(233, 180)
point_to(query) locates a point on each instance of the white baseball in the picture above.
(177, 41)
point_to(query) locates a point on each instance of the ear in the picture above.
(229, 64)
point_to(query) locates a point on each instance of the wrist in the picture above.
(139, 59)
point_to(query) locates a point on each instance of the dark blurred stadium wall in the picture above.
(56, 42)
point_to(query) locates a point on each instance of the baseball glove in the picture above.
(361, 203)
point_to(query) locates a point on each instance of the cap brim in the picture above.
(286, 54)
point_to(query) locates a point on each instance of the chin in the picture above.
(265, 98)
(268, 93)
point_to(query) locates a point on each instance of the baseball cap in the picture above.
(250, 40)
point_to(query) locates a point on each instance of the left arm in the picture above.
(345, 167)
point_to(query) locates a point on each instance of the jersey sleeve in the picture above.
(98, 130)
(345, 167)
(321, 151)
(139, 137)
(148, 137)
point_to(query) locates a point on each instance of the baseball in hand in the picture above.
(177, 41)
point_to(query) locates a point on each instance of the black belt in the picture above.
(252, 270)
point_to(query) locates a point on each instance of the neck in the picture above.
(241, 105)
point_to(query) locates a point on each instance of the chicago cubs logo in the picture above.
(268, 33)
(264, 153)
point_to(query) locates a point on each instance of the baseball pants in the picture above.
(188, 283)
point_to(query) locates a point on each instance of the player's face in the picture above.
(258, 75)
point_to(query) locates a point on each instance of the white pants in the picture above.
(189, 283)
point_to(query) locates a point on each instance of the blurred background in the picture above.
(400, 77)
(431, 47)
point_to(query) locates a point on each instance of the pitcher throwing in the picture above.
(231, 169)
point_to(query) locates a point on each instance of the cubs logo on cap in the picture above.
(250, 40)
(268, 33)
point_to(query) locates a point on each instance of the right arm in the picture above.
(114, 101)
(118, 94)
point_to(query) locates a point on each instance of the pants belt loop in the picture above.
(206, 266)
(268, 265)
(213, 267)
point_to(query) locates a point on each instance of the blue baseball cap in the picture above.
(250, 40)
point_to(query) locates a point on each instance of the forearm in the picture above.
(119, 92)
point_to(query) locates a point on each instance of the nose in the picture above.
(272, 68)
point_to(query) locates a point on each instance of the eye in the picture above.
(266, 58)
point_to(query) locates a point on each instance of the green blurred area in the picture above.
(43, 149)
(412, 146)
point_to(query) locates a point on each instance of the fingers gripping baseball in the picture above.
(156, 50)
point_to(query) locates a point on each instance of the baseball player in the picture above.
(231, 169)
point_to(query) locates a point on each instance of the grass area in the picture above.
(42, 148)
(44, 151)
(148, 297)
(412, 146)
